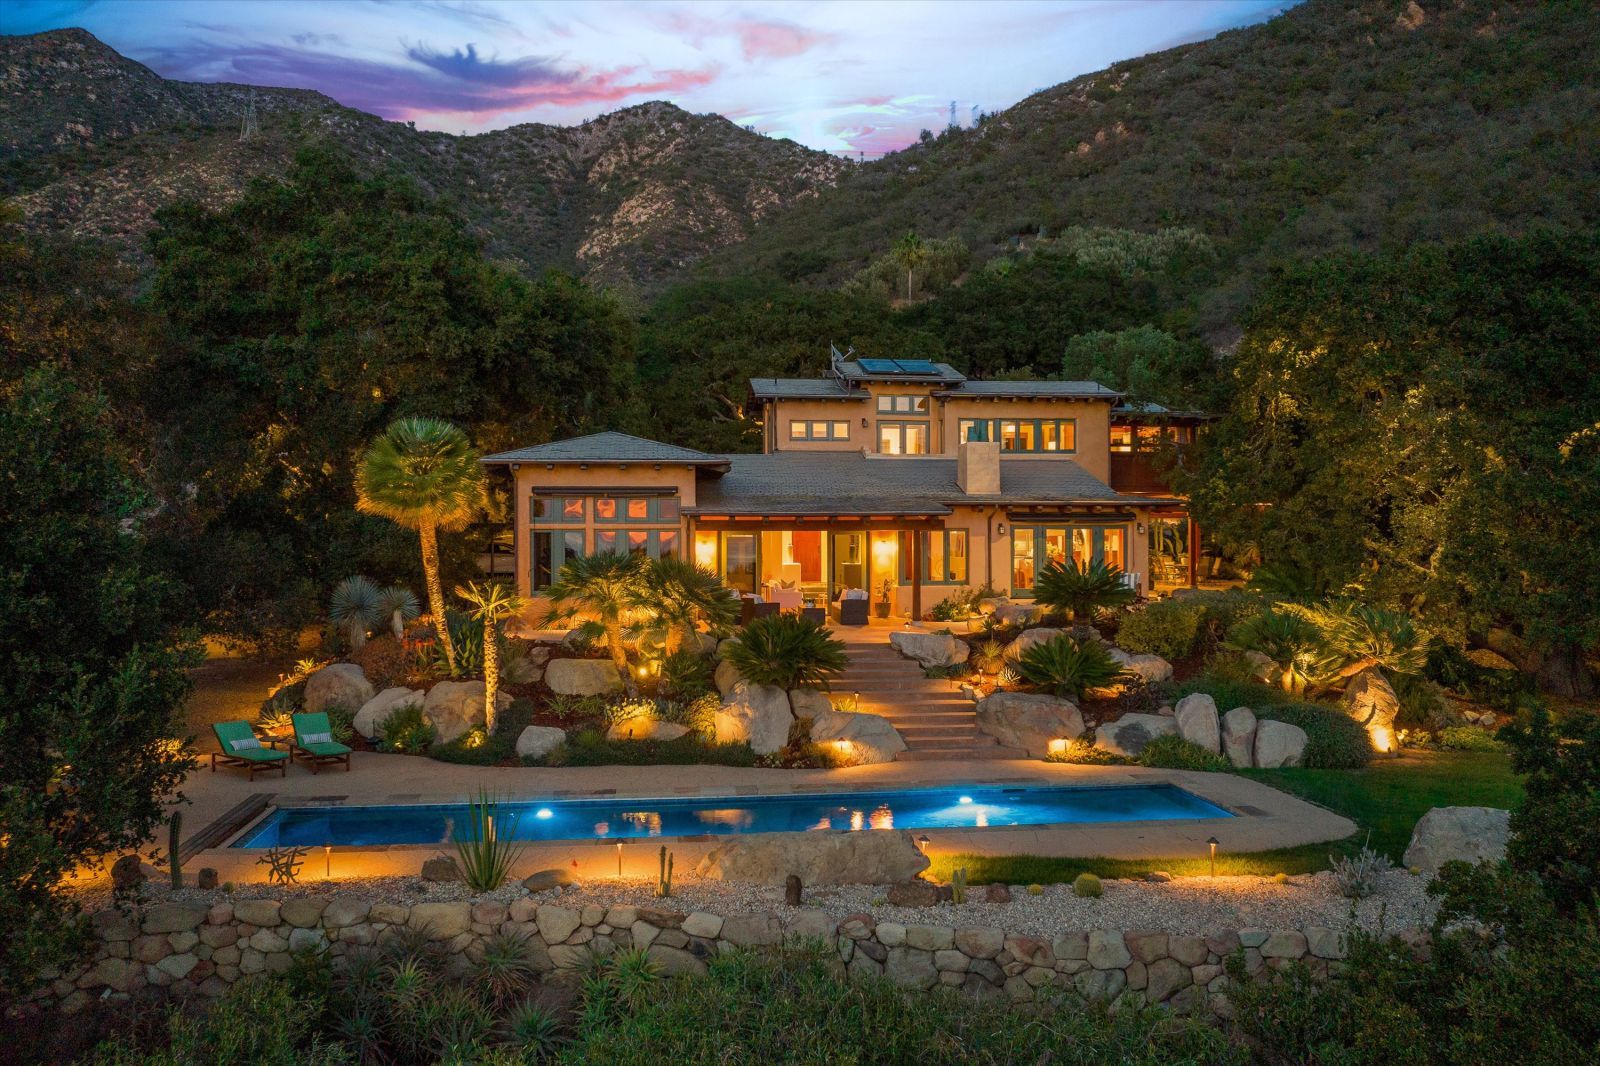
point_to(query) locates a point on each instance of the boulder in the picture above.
(376, 711)
(701, 643)
(127, 873)
(867, 738)
(1371, 701)
(344, 684)
(758, 715)
(1279, 744)
(455, 707)
(545, 880)
(537, 741)
(1031, 638)
(1029, 721)
(929, 649)
(441, 868)
(1239, 737)
(1196, 715)
(645, 728)
(582, 677)
(916, 893)
(1010, 614)
(726, 676)
(866, 857)
(1149, 668)
(1262, 668)
(526, 665)
(809, 703)
(1129, 734)
(1470, 834)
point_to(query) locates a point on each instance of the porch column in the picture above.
(1194, 553)
(916, 575)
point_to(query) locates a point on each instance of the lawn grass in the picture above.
(1386, 798)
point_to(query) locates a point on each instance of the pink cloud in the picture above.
(777, 40)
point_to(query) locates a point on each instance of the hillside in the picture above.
(94, 143)
(1340, 124)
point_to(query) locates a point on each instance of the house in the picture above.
(893, 479)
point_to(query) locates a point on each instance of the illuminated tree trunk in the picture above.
(619, 655)
(430, 568)
(491, 673)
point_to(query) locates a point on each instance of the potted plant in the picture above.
(885, 591)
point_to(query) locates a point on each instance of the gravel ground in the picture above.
(1189, 905)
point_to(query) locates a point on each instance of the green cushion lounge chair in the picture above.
(314, 744)
(241, 748)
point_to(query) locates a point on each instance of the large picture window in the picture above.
(903, 405)
(608, 522)
(819, 429)
(944, 556)
(1036, 435)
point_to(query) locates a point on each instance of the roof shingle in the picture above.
(607, 447)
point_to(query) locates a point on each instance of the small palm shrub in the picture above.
(1334, 741)
(1080, 752)
(1360, 636)
(1293, 643)
(489, 847)
(988, 656)
(1169, 629)
(407, 732)
(1068, 667)
(1175, 753)
(1081, 590)
(685, 675)
(1468, 738)
(787, 650)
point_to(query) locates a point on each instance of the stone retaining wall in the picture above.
(201, 949)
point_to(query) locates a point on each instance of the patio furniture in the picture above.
(787, 599)
(314, 744)
(243, 749)
(853, 612)
(818, 615)
(754, 608)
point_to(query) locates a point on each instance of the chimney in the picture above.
(978, 467)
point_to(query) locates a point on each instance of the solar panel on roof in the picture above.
(916, 366)
(879, 366)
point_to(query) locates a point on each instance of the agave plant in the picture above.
(1080, 590)
(1365, 636)
(489, 848)
(787, 650)
(399, 605)
(355, 606)
(1069, 667)
(1294, 644)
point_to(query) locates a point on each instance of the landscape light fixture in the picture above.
(619, 860)
(923, 842)
(1213, 842)
(327, 860)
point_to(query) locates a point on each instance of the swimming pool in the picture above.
(613, 818)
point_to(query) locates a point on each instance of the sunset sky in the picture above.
(836, 76)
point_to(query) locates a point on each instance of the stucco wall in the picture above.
(1093, 418)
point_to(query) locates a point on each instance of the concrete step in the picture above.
(955, 754)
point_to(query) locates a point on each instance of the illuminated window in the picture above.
(903, 438)
(558, 508)
(1122, 438)
(903, 405)
(819, 430)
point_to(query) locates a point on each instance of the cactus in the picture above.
(1087, 886)
(174, 863)
(664, 878)
(958, 885)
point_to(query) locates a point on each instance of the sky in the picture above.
(839, 76)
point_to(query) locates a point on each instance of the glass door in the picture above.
(849, 563)
(739, 561)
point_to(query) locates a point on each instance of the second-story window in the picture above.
(903, 438)
(1024, 434)
(816, 429)
(902, 405)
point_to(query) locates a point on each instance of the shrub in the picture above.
(341, 722)
(407, 732)
(1356, 876)
(1226, 689)
(589, 747)
(988, 656)
(685, 675)
(1422, 703)
(1169, 629)
(489, 846)
(1360, 636)
(384, 660)
(1175, 753)
(505, 969)
(1087, 886)
(1081, 590)
(788, 651)
(1555, 833)
(1334, 741)
(1082, 753)
(1468, 738)
(287, 699)
(1502, 690)
(1068, 667)
(1293, 643)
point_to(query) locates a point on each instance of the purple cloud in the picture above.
(466, 66)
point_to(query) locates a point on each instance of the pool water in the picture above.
(611, 818)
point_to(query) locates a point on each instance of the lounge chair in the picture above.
(314, 744)
(241, 748)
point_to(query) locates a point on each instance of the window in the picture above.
(974, 429)
(667, 509)
(903, 438)
(1034, 547)
(902, 405)
(944, 557)
(1023, 434)
(636, 509)
(551, 551)
(563, 509)
(1122, 438)
(818, 430)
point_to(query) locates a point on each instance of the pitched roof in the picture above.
(803, 389)
(852, 483)
(608, 447)
(918, 370)
(1023, 389)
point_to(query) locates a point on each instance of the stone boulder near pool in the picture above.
(1196, 715)
(582, 677)
(376, 711)
(758, 715)
(866, 857)
(645, 728)
(866, 738)
(1239, 737)
(1009, 614)
(930, 649)
(341, 684)
(809, 703)
(1470, 834)
(455, 707)
(1128, 735)
(537, 741)
(1031, 638)
(1279, 744)
(1029, 721)
(1148, 668)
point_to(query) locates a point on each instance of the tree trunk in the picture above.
(908, 283)
(619, 656)
(1564, 673)
(430, 568)
(398, 624)
(491, 674)
(357, 635)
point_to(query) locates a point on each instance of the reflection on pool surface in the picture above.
(611, 818)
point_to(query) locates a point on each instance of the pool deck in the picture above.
(1265, 818)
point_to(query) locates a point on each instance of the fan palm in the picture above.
(399, 605)
(491, 603)
(1294, 644)
(355, 605)
(909, 252)
(1081, 589)
(423, 474)
(680, 595)
(607, 586)
(1365, 636)
(787, 650)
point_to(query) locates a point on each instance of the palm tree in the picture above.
(608, 586)
(491, 603)
(399, 605)
(1294, 644)
(910, 252)
(680, 595)
(355, 605)
(424, 474)
(1080, 590)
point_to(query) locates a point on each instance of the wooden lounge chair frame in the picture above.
(317, 756)
(263, 765)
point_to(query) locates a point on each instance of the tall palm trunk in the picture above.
(430, 568)
(619, 654)
(491, 674)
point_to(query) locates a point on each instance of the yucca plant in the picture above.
(988, 656)
(788, 651)
(505, 968)
(1293, 643)
(489, 848)
(1068, 667)
(534, 1029)
(355, 606)
(1082, 590)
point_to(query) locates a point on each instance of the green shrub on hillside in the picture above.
(788, 651)
(1067, 667)
(1175, 753)
(1334, 741)
(1228, 692)
(1168, 628)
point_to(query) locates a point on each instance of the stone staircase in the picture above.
(935, 719)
